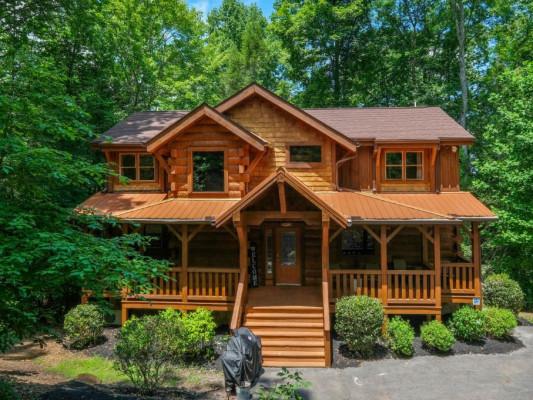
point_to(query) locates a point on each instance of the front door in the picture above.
(288, 256)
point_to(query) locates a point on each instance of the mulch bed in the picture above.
(343, 358)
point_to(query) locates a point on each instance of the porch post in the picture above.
(242, 234)
(325, 248)
(437, 260)
(476, 259)
(184, 262)
(325, 288)
(383, 263)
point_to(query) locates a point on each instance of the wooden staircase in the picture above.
(292, 336)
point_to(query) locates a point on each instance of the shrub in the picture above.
(499, 322)
(501, 291)
(358, 321)
(147, 348)
(7, 392)
(289, 389)
(401, 336)
(198, 333)
(436, 336)
(83, 325)
(468, 324)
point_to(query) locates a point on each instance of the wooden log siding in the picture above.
(458, 278)
(213, 284)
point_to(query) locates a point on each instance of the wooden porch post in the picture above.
(242, 234)
(383, 263)
(476, 260)
(437, 260)
(325, 288)
(184, 262)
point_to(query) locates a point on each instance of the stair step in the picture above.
(300, 342)
(291, 362)
(293, 353)
(278, 333)
(317, 351)
(286, 324)
(284, 315)
(285, 309)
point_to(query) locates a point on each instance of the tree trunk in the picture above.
(459, 16)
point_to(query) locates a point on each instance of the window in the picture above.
(404, 165)
(208, 171)
(137, 167)
(305, 154)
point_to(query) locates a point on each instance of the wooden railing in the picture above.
(213, 284)
(458, 278)
(347, 282)
(410, 286)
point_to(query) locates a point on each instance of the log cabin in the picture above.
(272, 212)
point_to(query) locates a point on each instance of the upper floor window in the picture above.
(305, 153)
(404, 165)
(137, 167)
(208, 171)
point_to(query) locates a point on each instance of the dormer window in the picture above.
(208, 171)
(404, 165)
(138, 167)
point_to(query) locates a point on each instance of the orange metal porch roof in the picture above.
(365, 207)
(180, 210)
(462, 205)
(111, 203)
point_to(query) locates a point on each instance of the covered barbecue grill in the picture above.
(242, 361)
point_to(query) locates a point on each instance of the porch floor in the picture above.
(284, 296)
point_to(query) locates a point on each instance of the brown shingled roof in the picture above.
(140, 127)
(392, 123)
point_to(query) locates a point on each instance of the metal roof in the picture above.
(111, 203)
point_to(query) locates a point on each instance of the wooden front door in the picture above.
(288, 256)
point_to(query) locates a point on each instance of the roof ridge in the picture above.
(403, 204)
(371, 108)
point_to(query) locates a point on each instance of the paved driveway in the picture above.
(464, 377)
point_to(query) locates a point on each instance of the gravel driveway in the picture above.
(462, 377)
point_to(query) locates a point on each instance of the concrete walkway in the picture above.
(463, 377)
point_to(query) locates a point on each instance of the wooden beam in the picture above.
(233, 234)
(325, 247)
(425, 233)
(383, 263)
(425, 250)
(476, 259)
(395, 232)
(436, 261)
(372, 233)
(282, 197)
(163, 163)
(184, 262)
(174, 231)
(256, 218)
(195, 232)
(253, 165)
(337, 233)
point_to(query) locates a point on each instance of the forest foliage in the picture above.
(70, 69)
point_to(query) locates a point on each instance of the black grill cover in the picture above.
(242, 360)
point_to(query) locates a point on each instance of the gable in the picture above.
(255, 90)
(198, 115)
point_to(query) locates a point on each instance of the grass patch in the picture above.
(527, 316)
(100, 367)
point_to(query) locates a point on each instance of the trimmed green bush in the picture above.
(358, 321)
(7, 392)
(83, 325)
(499, 322)
(468, 324)
(198, 333)
(146, 349)
(501, 291)
(436, 336)
(401, 336)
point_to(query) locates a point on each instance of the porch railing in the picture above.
(410, 287)
(213, 284)
(458, 278)
(403, 286)
(345, 282)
